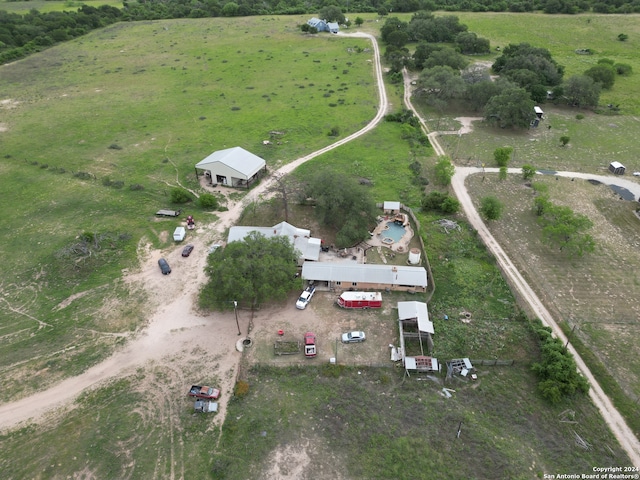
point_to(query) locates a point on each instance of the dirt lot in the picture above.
(328, 322)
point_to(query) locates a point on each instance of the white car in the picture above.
(353, 337)
(305, 297)
(636, 174)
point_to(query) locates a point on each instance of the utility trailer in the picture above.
(168, 213)
(361, 300)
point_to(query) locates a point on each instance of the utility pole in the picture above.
(569, 337)
(235, 310)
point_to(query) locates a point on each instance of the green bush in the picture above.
(557, 371)
(208, 201)
(491, 208)
(179, 195)
(441, 202)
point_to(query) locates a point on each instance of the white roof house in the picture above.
(418, 311)
(366, 276)
(301, 239)
(232, 166)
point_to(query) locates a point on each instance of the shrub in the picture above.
(579, 116)
(491, 208)
(444, 171)
(241, 389)
(208, 201)
(528, 172)
(135, 187)
(415, 167)
(179, 195)
(623, 69)
(441, 202)
(557, 372)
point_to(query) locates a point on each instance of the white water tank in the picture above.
(414, 256)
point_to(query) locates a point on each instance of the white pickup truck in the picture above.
(305, 297)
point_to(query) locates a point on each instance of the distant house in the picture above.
(320, 25)
(337, 276)
(617, 168)
(307, 246)
(234, 167)
(323, 25)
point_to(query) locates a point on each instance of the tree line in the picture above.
(23, 34)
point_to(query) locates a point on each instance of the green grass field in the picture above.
(143, 103)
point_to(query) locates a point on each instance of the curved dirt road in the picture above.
(174, 326)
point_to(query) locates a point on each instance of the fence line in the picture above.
(492, 363)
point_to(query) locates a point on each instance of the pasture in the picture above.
(143, 103)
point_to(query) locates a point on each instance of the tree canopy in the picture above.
(582, 91)
(511, 108)
(252, 271)
(342, 203)
(526, 57)
(564, 228)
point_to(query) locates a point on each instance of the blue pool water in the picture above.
(395, 231)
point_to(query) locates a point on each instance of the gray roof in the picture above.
(417, 310)
(308, 247)
(365, 273)
(236, 158)
(314, 21)
(391, 205)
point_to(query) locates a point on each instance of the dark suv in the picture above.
(164, 266)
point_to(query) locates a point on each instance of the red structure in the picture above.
(360, 300)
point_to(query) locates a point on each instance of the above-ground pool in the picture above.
(393, 233)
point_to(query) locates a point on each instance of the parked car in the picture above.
(186, 251)
(164, 266)
(353, 337)
(305, 297)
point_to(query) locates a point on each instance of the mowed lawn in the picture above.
(141, 104)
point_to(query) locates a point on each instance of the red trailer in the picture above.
(360, 300)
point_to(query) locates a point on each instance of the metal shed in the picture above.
(617, 168)
(234, 167)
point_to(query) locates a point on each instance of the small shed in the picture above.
(333, 27)
(617, 168)
(391, 207)
(538, 111)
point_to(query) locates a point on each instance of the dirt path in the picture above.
(175, 327)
